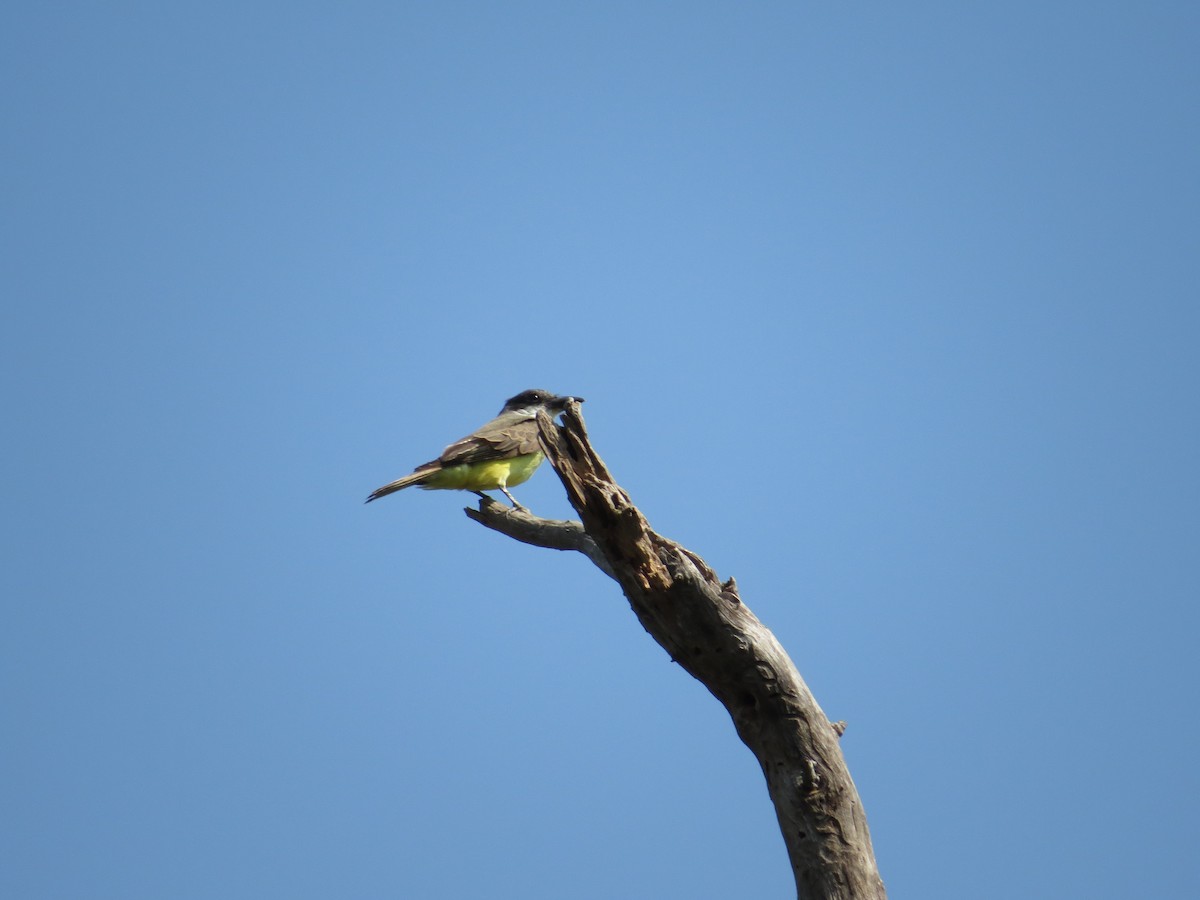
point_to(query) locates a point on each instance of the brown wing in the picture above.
(495, 440)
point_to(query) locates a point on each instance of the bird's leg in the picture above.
(515, 504)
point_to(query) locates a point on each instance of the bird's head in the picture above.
(528, 403)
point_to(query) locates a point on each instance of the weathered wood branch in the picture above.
(553, 534)
(706, 628)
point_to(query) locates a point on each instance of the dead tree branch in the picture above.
(704, 626)
(553, 534)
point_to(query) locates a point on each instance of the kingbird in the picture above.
(501, 454)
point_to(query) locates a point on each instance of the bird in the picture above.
(499, 455)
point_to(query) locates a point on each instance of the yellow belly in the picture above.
(485, 476)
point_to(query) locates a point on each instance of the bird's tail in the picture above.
(398, 484)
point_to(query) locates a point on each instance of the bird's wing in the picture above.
(498, 439)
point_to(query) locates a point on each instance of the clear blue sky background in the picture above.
(889, 310)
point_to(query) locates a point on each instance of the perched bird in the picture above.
(501, 454)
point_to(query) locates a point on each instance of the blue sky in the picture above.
(890, 311)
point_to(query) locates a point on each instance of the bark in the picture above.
(706, 628)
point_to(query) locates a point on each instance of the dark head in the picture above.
(530, 402)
